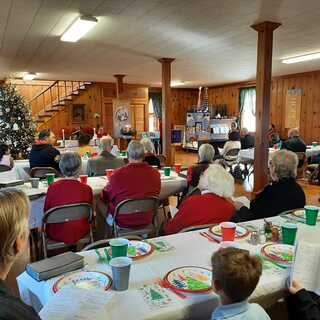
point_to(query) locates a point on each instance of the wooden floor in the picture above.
(186, 159)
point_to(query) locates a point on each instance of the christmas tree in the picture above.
(17, 128)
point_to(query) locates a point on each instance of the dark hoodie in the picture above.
(43, 155)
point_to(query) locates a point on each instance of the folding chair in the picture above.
(63, 214)
(40, 172)
(302, 164)
(230, 158)
(131, 206)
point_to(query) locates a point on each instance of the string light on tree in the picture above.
(17, 128)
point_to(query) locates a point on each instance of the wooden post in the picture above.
(263, 92)
(119, 83)
(166, 110)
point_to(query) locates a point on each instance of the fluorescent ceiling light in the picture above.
(79, 28)
(306, 57)
(29, 76)
(176, 83)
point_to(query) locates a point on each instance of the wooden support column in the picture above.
(263, 92)
(119, 84)
(166, 110)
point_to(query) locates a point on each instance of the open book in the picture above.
(306, 266)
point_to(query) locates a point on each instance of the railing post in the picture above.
(71, 86)
(65, 89)
(51, 97)
(44, 101)
(58, 93)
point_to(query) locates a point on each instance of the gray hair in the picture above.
(70, 164)
(206, 152)
(106, 143)
(147, 145)
(135, 150)
(284, 164)
(293, 133)
(218, 181)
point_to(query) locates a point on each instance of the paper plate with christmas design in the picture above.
(280, 253)
(137, 249)
(241, 232)
(301, 214)
(190, 279)
(84, 280)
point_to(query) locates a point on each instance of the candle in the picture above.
(63, 137)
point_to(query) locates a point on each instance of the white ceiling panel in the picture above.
(211, 40)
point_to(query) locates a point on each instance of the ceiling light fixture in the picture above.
(176, 83)
(79, 28)
(29, 76)
(306, 57)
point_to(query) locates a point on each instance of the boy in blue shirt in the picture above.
(235, 275)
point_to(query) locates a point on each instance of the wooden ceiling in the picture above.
(211, 39)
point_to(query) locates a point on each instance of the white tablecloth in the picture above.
(169, 187)
(189, 249)
(248, 154)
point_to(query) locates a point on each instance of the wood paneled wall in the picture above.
(310, 103)
(182, 100)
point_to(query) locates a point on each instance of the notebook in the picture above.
(306, 266)
(52, 267)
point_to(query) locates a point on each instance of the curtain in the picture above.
(248, 107)
(157, 103)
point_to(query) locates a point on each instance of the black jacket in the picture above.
(152, 160)
(294, 144)
(303, 305)
(247, 142)
(43, 155)
(275, 198)
(12, 308)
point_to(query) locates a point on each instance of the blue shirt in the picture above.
(240, 311)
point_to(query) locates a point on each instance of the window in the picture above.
(153, 121)
(248, 108)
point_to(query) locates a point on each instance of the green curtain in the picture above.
(157, 103)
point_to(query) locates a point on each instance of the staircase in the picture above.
(54, 99)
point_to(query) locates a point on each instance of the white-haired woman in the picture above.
(149, 153)
(68, 191)
(282, 194)
(206, 155)
(212, 206)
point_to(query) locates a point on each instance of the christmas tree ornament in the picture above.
(15, 127)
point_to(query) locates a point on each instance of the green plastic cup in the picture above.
(50, 178)
(167, 171)
(311, 215)
(119, 247)
(289, 233)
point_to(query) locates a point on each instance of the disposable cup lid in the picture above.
(119, 242)
(120, 262)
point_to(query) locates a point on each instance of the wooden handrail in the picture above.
(44, 90)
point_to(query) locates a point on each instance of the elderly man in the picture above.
(137, 180)
(283, 194)
(247, 140)
(42, 153)
(106, 160)
(294, 143)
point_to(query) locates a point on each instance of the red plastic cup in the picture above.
(109, 172)
(95, 154)
(228, 231)
(178, 168)
(83, 178)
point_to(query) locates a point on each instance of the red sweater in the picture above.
(134, 181)
(200, 209)
(64, 192)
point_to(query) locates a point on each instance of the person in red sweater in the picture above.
(137, 180)
(212, 206)
(68, 191)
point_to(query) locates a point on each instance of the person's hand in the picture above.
(295, 287)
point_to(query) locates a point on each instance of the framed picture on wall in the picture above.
(78, 113)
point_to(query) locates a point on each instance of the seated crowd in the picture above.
(235, 272)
